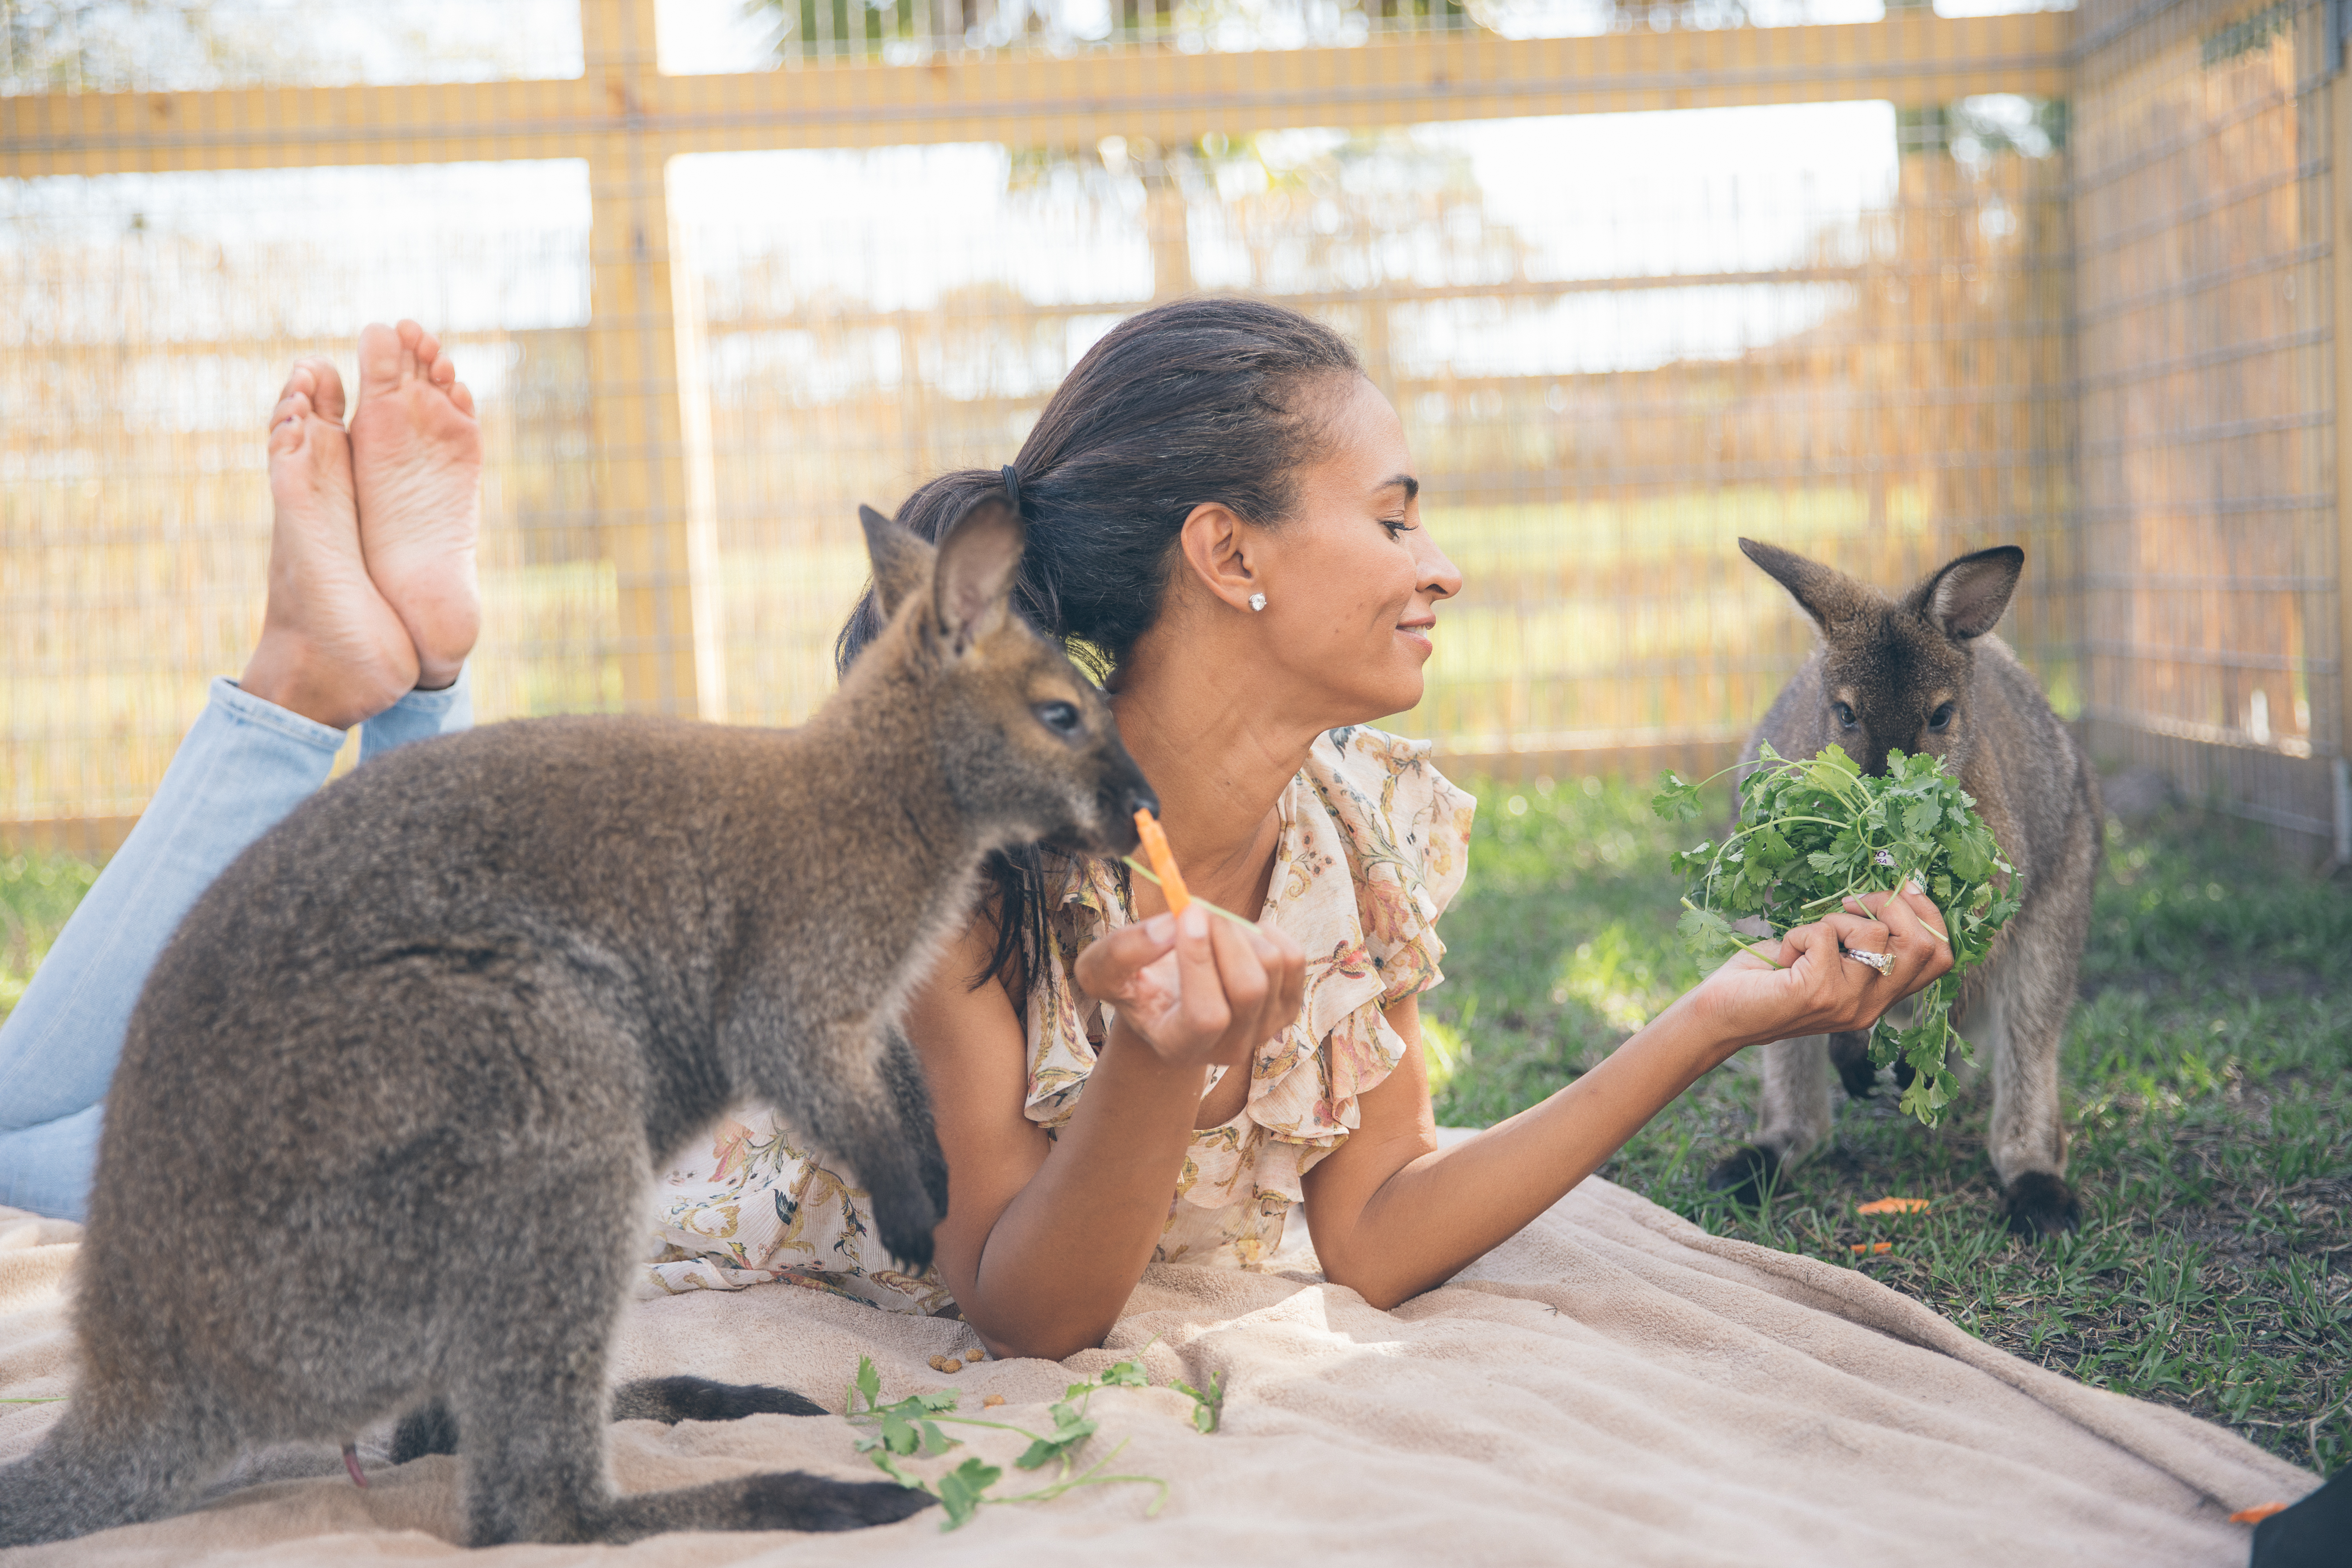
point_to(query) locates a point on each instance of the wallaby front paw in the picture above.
(429, 1430)
(2038, 1203)
(1745, 1174)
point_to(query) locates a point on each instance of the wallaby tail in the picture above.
(73, 1486)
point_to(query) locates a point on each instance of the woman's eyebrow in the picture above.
(1411, 485)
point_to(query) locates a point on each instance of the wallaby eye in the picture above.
(1062, 718)
(1845, 715)
(1941, 718)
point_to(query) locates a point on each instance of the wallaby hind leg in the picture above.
(535, 1470)
(97, 1469)
(1793, 1119)
(2033, 994)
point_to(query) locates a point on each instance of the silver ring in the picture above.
(1881, 961)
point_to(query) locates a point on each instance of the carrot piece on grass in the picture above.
(1893, 1205)
(2256, 1514)
(1164, 863)
(1873, 1248)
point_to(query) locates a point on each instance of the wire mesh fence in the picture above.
(2205, 204)
(1640, 280)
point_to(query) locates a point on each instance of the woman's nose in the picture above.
(1440, 578)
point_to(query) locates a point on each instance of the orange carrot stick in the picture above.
(1164, 863)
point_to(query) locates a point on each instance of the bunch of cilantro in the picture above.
(910, 1428)
(1812, 835)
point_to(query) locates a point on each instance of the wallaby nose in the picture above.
(1139, 797)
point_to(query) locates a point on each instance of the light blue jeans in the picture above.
(243, 765)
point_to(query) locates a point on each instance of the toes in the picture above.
(412, 338)
(428, 354)
(325, 387)
(285, 428)
(461, 398)
(380, 352)
(444, 372)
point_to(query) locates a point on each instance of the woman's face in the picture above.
(1352, 580)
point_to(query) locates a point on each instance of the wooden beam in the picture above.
(653, 466)
(1912, 57)
(277, 128)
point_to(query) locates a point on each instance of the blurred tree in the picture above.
(183, 45)
(812, 28)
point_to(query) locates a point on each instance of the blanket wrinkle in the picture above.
(1614, 1383)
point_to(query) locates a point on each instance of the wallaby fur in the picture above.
(392, 1100)
(1895, 666)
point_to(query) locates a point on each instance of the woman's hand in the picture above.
(1197, 992)
(1820, 989)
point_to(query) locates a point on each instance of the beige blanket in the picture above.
(1613, 1386)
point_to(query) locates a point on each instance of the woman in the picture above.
(1222, 514)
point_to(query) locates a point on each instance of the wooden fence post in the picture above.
(654, 479)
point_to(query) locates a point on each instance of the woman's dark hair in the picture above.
(1197, 401)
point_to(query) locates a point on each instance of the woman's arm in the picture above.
(1392, 1214)
(1045, 1238)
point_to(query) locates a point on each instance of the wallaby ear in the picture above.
(902, 563)
(973, 584)
(1966, 598)
(1824, 593)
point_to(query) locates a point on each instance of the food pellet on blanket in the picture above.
(991, 1402)
(975, 1354)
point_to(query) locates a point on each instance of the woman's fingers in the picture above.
(1200, 999)
(1921, 952)
(1110, 968)
(1226, 990)
(1241, 970)
(1911, 910)
(1860, 934)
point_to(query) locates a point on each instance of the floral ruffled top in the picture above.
(1373, 846)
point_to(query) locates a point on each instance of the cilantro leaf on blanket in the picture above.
(1812, 835)
(909, 1428)
(962, 1489)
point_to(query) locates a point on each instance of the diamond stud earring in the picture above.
(1258, 600)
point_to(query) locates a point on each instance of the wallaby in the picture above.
(1925, 673)
(393, 1097)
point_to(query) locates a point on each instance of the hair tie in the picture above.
(1011, 479)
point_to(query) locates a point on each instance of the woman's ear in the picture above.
(1218, 549)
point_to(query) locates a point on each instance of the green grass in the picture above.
(36, 893)
(2208, 1093)
(2209, 1081)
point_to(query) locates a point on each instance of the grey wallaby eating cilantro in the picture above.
(1812, 835)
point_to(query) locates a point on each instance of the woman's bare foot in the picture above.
(416, 456)
(331, 649)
